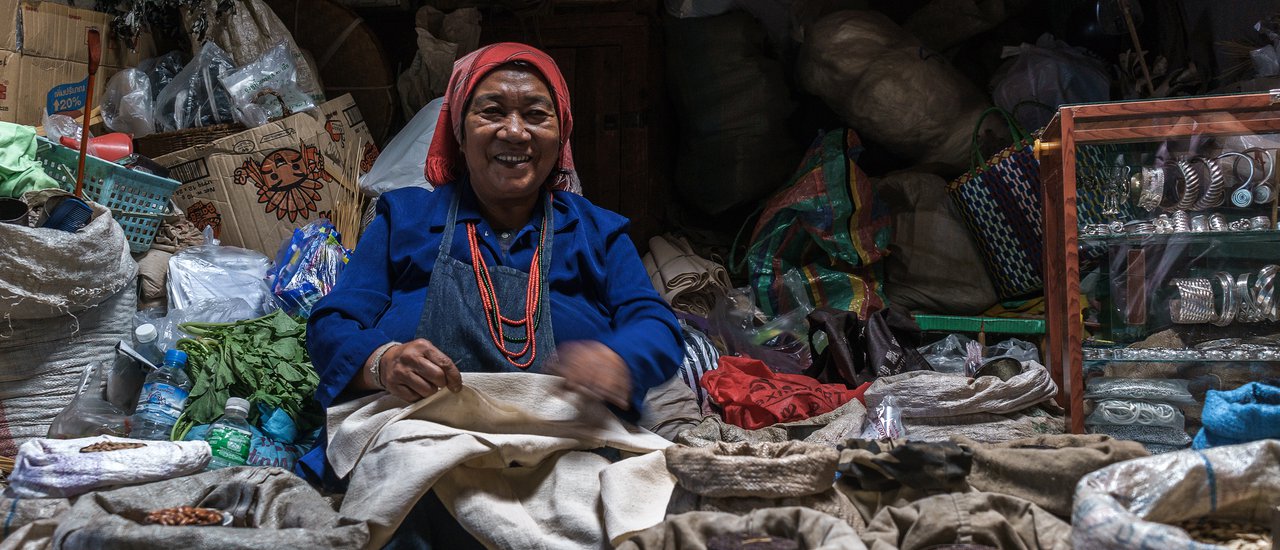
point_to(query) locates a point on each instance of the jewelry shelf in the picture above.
(1133, 246)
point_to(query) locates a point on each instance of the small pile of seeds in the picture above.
(185, 515)
(1236, 535)
(106, 446)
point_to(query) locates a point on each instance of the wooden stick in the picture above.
(1137, 44)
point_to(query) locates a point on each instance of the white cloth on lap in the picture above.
(504, 456)
(56, 468)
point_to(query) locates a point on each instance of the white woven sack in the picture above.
(46, 272)
(933, 394)
(48, 468)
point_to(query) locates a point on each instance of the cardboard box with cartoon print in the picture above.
(255, 187)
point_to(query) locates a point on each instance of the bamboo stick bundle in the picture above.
(349, 203)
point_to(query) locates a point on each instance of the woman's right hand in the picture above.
(416, 370)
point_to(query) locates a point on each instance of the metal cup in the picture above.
(14, 211)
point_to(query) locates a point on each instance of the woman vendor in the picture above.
(502, 268)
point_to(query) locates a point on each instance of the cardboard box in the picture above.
(44, 59)
(255, 187)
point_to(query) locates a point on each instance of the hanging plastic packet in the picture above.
(267, 88)
(972, 359)
(888, 420)
(195, 97)
(307, 266)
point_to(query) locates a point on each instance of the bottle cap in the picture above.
(145, 333)
(175, 356)
(237, 404)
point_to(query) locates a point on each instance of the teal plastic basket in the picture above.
(138, 201)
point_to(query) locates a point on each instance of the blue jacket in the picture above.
(599, 288)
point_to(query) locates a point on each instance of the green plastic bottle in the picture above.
(230, 437)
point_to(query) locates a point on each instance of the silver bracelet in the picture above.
(1227, 312)
(1216, 191)
(375, 368)
(1152, 180)
(1194, 304)
(1189, 191)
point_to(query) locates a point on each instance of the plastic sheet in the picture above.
(1171, 391)
(127, 104)
(1133, 504)
(267, 88)
(195, 97)
(211, 276)
(1049, 72)
(403, 162)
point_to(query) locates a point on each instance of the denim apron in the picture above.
(454, 321)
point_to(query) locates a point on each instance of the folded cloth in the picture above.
(1044, 470)
(826, 429)
(752, 396)
(767, 529)
(887, 464)
(742, 477)
(19, 170)
(1248, 413)
(933, 394)
(985, 519)
(61, 468)
(506, 458)
(685, 280)
(700, 357)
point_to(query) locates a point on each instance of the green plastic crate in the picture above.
(998, 325)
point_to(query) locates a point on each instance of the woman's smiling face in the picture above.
(510, 135)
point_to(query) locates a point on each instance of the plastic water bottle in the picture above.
(146, 343)
(230, 437)
(164, 393)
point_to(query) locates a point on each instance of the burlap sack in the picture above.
(933, 263)
(1045, 470)
(1132, 504)
(807, 528)
(825, 429)
(999, 521)
(987, 427)
(279, 509)
(741, 477)
(884, 84)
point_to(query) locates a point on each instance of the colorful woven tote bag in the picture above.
(1000, 201)
(827, 226)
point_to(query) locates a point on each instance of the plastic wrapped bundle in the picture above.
(1134, 504)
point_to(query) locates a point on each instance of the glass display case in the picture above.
(1162, 255)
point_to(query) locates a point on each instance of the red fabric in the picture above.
(444, 157)
(754, 397)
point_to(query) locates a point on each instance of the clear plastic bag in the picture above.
(58, 126)
(886, 423)
(196, 97)
(780, 343)
(948, 355)
(1120, 412)
(89, 412)
(161, 70)
(307, 266)
(1049, 72)
(127, 104)
(223, 279)
(1171, 391)
(267, 88)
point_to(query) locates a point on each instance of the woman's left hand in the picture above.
(593, 369)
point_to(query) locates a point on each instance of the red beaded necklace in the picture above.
(532, 305)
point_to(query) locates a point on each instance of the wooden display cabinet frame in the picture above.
(1126, 122)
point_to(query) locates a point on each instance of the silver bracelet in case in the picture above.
(375, 367)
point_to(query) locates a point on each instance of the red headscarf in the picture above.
(444, 157)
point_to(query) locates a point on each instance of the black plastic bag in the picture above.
(858, 351)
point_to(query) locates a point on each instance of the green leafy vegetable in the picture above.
(263, 360)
